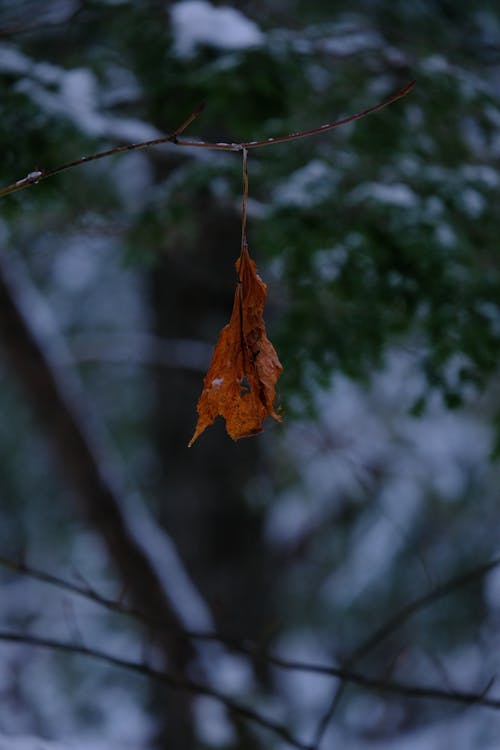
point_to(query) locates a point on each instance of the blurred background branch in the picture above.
(77, 441)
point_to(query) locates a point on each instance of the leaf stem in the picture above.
(244, 201)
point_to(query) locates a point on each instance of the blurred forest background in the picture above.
(379, 243)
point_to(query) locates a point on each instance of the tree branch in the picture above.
(33, 178)
(396, 621)
(172, 681)
(37, 176)
(369, 644)
(332, 125)
(254, 649)
(467, 698)
(86, 459)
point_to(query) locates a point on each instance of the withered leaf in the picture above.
(240, 383)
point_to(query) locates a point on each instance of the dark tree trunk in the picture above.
(202, 490)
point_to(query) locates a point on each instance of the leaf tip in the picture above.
(195, 437)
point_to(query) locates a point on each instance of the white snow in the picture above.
(306, 186)
(31, 742)
(197, 22)
(56, 11)
(133, 179)
(12, 61)
(491, 590)
(287, 519)
(436, 452)
(74, 94)
(212, 724)
(352, 43)
(492, 313)
(482, 173)
(77, 98)
(433, 208)
(328, 262)
(307, 694)
(463, 733)
(395, 194)
(435, 64)
(473, 203)
(445, 235)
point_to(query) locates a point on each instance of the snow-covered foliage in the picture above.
(198, 22)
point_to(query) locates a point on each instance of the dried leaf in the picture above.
(240, 383)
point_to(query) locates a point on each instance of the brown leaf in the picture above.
(240, 383)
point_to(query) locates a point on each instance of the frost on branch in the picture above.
(240, 383)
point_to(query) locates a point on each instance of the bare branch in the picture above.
(417, 605)
(37, 176)
(33, 178)
(467, 698)
(330, 126)
(254, 649)
(343, 673)
(161, 676)
(199, 109)
(396, 621)
(407, 690)
(90, 466)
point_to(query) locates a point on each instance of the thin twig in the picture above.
(193, 686)
(33, 178)
(161, 676)
(199, 109)
(342, 673)
(389, 686)
(119, 607)
(394, 623)
(248, 648)
(440, 591)
(330, 126)
(38, 175)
